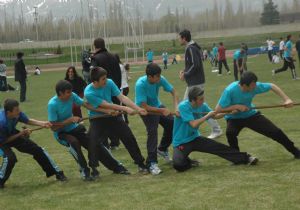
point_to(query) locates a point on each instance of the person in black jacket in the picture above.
(103, 58)
(21, 75)
(193, 73)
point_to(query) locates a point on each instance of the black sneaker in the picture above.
(122, 170)
(1, 186)
(95, 173)
(60, 176)
(85, 174)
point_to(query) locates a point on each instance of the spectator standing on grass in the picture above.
(270, 45)
(21, 75)
(149, 56)
(244, 46)
(193, 74)
(165, 58)
(215, 55)
(4, 86)
(78, 85)
(222, 59)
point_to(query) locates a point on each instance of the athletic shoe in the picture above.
(60, 176)
(95, 173)
(122, 170)
(215, 70)
(142, 169)
(85, 174)
(219, 75)
(297, 78)
(1, 186)
(273, 73)
(215, 134)
(297, 155)
(252, 160)
(229, 72)
(154, 169)
(165, 155)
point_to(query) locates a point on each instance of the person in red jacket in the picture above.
(222, 58)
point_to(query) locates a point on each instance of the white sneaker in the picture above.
(252, 160)
(215, 134)
(154, 169)
(273, 73)
(297, 78)
(229, 72)
(215, 70)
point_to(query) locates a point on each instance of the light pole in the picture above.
(36, 22)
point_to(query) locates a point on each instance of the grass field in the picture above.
(273, 184)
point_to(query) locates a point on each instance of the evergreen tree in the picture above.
(270, 15)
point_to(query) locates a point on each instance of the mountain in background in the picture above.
(74, 8)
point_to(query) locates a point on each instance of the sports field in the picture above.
(273, 184)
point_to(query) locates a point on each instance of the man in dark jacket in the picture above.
(193, 73)
(21, 75)
(103, 58)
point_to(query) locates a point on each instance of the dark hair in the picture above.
(99, 43)
(288, 37)
(281, 38)
(96, 73)
(127, 66)
(10, 104)
(247, 78)
(118, 58)
(221, 43)
(185, 34)
(20, 54)
(153, 69)
(62, 86)
(74, 71)
(1, 61)
(194, 92)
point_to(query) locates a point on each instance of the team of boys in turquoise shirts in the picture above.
(236, 101)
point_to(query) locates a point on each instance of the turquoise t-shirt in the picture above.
(237, 55)
(233, 95)
(145, 92)
(215, 51)
(182, 131)
(149, 55)
(59, 111)
(96, 96)
(288, 51)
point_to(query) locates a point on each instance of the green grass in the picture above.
(272, 184)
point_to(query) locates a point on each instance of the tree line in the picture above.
(222, 16)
